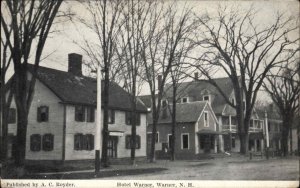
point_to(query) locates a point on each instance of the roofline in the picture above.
(110, 107)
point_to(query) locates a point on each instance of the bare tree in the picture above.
(129, 51)
(161, 41)
(178, 74)
(284, 89)
(105, 24)
(28, 21)
(235, 43)
(6, 97)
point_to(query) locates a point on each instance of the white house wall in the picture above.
(73, 127)
(43, 96)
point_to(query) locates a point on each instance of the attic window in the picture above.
(80, 113)
(184, 100)
(206, 98)
(42, 113)
(206, 124)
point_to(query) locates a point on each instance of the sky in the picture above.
(61, 43)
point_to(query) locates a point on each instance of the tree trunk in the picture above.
(133, 130)
(291, 141)
(153, 135)
(21, 138)
(244, 139)
(4, 135)
(173, 123)
(284, 140)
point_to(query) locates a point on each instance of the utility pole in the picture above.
(267, 135)
(98, 138)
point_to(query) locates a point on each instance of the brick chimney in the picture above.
(196, 76)
(75, 64)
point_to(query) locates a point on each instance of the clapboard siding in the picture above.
(44, 96)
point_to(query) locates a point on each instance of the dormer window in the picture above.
(206, 98)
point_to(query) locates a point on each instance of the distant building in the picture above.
(61, 121)
(196, 131)
(226, 125)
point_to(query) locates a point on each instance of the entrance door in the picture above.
(205, 143)
(112, 143)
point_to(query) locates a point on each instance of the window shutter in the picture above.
(47, 112)
(112, 116)
(138, 119)
(138, 142)
(39, 114)
(35, 142)
(90, 141)
(77, 141)
(127, 140)
(48, 142)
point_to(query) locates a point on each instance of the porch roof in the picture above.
(208, 131)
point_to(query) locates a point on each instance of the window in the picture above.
(48, 142)
(90, 114)
(206, 98)
(129, 142)
(232, 101)
(79, 113)
(225, 120)
(233, 142)
(184, 100)
(78, 141)
(206, 123)
(88, 142)
(42, 113)
(83, 142)
(244, 106)
(35, 142)
(111, 116)
(185, 141)
(269, 126)
(157, 137)
(251, 122)
(170, 140)
(11, 115)
(233, 120)
(128, 118)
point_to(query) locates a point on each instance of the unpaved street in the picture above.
(222, 169)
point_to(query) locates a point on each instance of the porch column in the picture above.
(255, 145)
(230, 123)
(221, 143)
(216, 143)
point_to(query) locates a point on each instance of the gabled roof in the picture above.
(194, 88)
(74, 89)
(146, 99)
(185, 113)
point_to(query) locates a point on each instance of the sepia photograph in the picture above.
(150, 93)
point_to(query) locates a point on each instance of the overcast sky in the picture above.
(60, 44)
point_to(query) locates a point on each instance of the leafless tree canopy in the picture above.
(235, 43)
